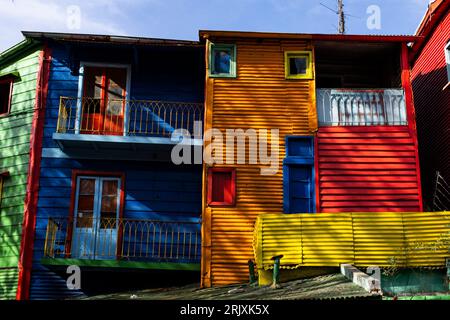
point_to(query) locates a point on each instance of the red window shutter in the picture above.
(221, 186)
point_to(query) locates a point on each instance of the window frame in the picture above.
(210, 201)
(447, 60)
(307, 160)
(74, 199)
(10, 80)
(81, 90)
(211, 47)
(309, 75)
(3, 175)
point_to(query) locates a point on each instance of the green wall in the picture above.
(15, 132)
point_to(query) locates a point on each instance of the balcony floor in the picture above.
(154, 265)
(119, 147)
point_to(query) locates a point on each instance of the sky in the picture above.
(181, 19)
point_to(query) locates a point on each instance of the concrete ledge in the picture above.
(368, 283)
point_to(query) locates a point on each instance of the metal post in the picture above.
(276, 271)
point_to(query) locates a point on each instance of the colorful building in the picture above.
(430, 58)
(22, 74)
(347, 135)
(108, 197)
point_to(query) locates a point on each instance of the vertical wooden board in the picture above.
(14, 157)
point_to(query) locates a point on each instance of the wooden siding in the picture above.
(429, 77)
(259, 98)
(385, 239)
(15, 131)
(152, 190)
(367, 169)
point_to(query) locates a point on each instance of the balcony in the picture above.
(126, 243)
(354, 107)
(90, 126)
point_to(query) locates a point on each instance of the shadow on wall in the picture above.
(433, 128)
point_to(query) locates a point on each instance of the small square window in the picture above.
(5, 96)
(222, 60)
(221, 187)
(298, 65)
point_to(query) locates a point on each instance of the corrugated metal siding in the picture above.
(15, 132)
(8, 283)
(363, 239)
(367, 169)
(260, 97)
(429, 76)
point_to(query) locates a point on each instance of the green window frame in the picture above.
(288, 55)
(215, 47)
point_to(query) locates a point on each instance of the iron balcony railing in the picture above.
(124, 239)
(128, 117)
(348, 107)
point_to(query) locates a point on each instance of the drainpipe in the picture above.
(276, 271)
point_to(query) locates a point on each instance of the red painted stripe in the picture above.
(374, 147)
(353, 135)
(368, 166)
(367, 173)
(365, 203)
(379, 140)
(34, 168)
(324, 178)
(370, 209)
(363, 129)
(369, 197)
(367, 191)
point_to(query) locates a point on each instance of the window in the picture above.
(298, 65)
(222, 60)
(5, 95)
(3, 175)
(97, 207)
(221, 186)
(104, 99)
(447, 59)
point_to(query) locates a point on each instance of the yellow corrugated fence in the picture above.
(406, 239)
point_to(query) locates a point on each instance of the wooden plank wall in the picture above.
(259, 98)
(367, 169)
(431, 100)
(153, 190)
(14, 157)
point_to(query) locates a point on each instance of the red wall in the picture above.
(432, 103)
(367, 169)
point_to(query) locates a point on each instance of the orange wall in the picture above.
(260, 97)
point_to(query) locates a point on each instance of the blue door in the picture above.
(298, 175)
(301, 195)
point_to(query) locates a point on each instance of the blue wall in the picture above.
(153, 190)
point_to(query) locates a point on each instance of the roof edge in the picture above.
(114, 39)
(204, 34)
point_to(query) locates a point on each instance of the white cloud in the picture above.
(97, 16)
